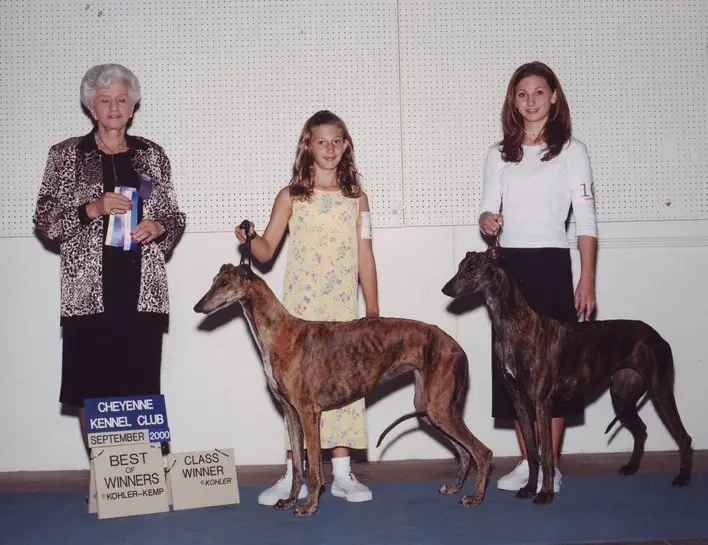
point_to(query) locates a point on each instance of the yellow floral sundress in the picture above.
(322, 283)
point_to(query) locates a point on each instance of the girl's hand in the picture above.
(108, 203)
(490, 223)
(241, 233)
(147, 231)
(585, 300)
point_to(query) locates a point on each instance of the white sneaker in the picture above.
(280, 491)
(520, 476)
(350, 488)
(557, 480)
(516, 479)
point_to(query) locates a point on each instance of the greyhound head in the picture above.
(227, 288)
(473, 274)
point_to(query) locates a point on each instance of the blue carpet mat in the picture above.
(588, 509)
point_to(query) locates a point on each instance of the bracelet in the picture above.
(164, 230)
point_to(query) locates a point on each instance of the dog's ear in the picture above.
(244, 271)
(226, 267)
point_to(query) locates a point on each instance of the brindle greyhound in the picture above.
(315, 366)
(541, 358)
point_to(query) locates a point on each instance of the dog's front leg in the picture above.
(523, 413)
(545, 446)
(294, 425)
(310, 419)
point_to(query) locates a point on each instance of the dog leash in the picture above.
(246, 225)
(494, 249)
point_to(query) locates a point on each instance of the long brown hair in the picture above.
(302, 182)
(557, 131)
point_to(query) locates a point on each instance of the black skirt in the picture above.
(106, 357)
(545, 278)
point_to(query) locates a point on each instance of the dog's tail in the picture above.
(397, 422)
(609, 426)
(616, 418)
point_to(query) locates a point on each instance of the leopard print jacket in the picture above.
(74, 177)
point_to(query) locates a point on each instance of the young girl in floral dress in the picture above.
(330, 253)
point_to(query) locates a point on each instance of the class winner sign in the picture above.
(113, 421)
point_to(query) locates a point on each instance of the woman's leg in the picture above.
(519, 476)
(84, 431)
(557, 431)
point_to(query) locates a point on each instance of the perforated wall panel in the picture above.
(228, 85)
(634, 74)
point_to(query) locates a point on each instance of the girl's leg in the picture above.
(281, 489)
(344, 483)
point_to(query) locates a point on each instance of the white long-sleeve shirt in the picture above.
(535, 196)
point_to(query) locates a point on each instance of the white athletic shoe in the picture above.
(350, 489)
(557, 480)
(280, 491)
(518, 478)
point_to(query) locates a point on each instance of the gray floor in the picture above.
(395, 471)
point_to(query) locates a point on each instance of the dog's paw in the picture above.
(306, 510)
(285, 504)
(448, 489)
(681, 480)
(628, 469)
(543, 498)
(471, 501)
(525, 492)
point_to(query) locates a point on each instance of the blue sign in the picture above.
(124, 414)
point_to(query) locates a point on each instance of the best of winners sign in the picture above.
(128, 475)
(127, 471)
(130, 480)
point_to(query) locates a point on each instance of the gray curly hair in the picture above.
(103, 75)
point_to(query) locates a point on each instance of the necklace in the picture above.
(120, 147)
(112, 155)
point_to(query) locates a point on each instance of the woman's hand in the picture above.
(241, 233)
(585, 300)
(490, 223)
(147, 231)
(108, 203)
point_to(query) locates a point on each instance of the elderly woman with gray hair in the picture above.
(108, 201)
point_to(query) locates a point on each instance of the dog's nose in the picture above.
(446, 289)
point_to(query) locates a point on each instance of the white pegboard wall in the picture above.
(634, 74)
(228, 85)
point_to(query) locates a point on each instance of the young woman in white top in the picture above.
(532, 179)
